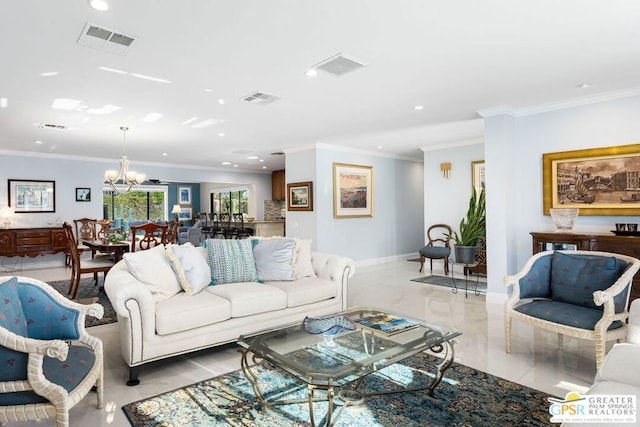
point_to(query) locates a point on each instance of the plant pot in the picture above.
(465, 254)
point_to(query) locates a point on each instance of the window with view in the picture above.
(144, 203)
(227, 202)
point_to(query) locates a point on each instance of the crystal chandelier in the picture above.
(128, 178)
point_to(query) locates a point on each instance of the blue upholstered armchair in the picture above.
(582, 294)
(41, 374)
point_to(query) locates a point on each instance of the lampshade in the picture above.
(176, 209)
(6, 213)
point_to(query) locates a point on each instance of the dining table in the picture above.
(116, 248)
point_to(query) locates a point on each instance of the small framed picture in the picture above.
(300, 196)
(83, 194)
(186, 214)
(184, 195)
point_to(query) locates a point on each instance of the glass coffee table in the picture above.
(353, 355)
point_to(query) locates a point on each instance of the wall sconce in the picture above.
(445, 168)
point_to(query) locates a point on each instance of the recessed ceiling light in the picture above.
(251, 157)
(418, 107)
(4, 102)
(49, 74)
(221, 101)
(261, 160)
(312, 72)
(583, 85)
(264, 167)
(208, 90)
(235, 166)
(100, 5)
(221, 134)
(38, 142)
(165, 154)
(225, 163)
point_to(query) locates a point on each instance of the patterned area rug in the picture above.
(86, 290)
(459, 281)
(465, 397)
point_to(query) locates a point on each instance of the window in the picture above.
(146, 202)
(229, 201)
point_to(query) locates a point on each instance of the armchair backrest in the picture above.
(437, 235)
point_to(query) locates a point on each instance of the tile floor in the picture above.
(535, 361)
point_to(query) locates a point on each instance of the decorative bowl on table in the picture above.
(328, 327)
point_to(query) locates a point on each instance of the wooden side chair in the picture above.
(80, 267)
(50, 362)
(437, 246)
(84, 231)
(151, 235)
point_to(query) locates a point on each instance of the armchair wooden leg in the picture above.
(507, 333)
(446, 266)
(421, 263)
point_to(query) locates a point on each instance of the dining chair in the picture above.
(154, 235)
(101, 229)
(84, 231)
(437, 246)
(172, 232)
(83, 266)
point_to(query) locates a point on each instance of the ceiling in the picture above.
(453, 58)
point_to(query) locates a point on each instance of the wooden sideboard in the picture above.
(625, 245)
(32, 242)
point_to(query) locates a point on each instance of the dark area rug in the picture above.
(86, 290)
(465, 397)
(448, 282)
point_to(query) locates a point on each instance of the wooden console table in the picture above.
(625, 245)
(32, 242)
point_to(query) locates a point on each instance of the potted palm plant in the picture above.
(471, 228)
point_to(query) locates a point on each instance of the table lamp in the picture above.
(6, 213)
(176, 210)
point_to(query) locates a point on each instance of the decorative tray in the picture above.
(626, 233)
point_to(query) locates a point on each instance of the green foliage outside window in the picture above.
(143, 205)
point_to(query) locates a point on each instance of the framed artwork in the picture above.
(83, 194)
(186, 214)
(300, 196)
(26, 195)
(184, 195)
(477, 175)
(352, 191)
(598, 181)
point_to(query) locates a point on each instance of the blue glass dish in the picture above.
(328, 325)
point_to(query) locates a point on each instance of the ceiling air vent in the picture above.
(106, 40)
(260, 98)
(338, 65)
(51, 126)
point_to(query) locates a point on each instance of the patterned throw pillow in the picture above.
(231, 261)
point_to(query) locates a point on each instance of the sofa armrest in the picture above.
(336, 268)
(619, 363)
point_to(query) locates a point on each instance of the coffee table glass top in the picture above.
(356, 353)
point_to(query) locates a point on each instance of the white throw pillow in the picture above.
(190, 267)
(274, 258)
(152, 267)
(304, 267)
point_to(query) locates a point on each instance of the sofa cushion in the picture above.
(306, 290)
(191, 268)
(274, 258)
(304, 267)
(152, 267)
(182, 312)
(564, 313)
(574, 278)
(250, 297)
(231, 261)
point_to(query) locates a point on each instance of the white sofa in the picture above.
(151, 331)
(619, 373)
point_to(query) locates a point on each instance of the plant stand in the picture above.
(466, 278)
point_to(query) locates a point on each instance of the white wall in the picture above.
(398, 202)
(513, 153)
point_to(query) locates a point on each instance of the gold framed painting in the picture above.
(300, 196)
(477, 175)
(598, 181)
(352, 191)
